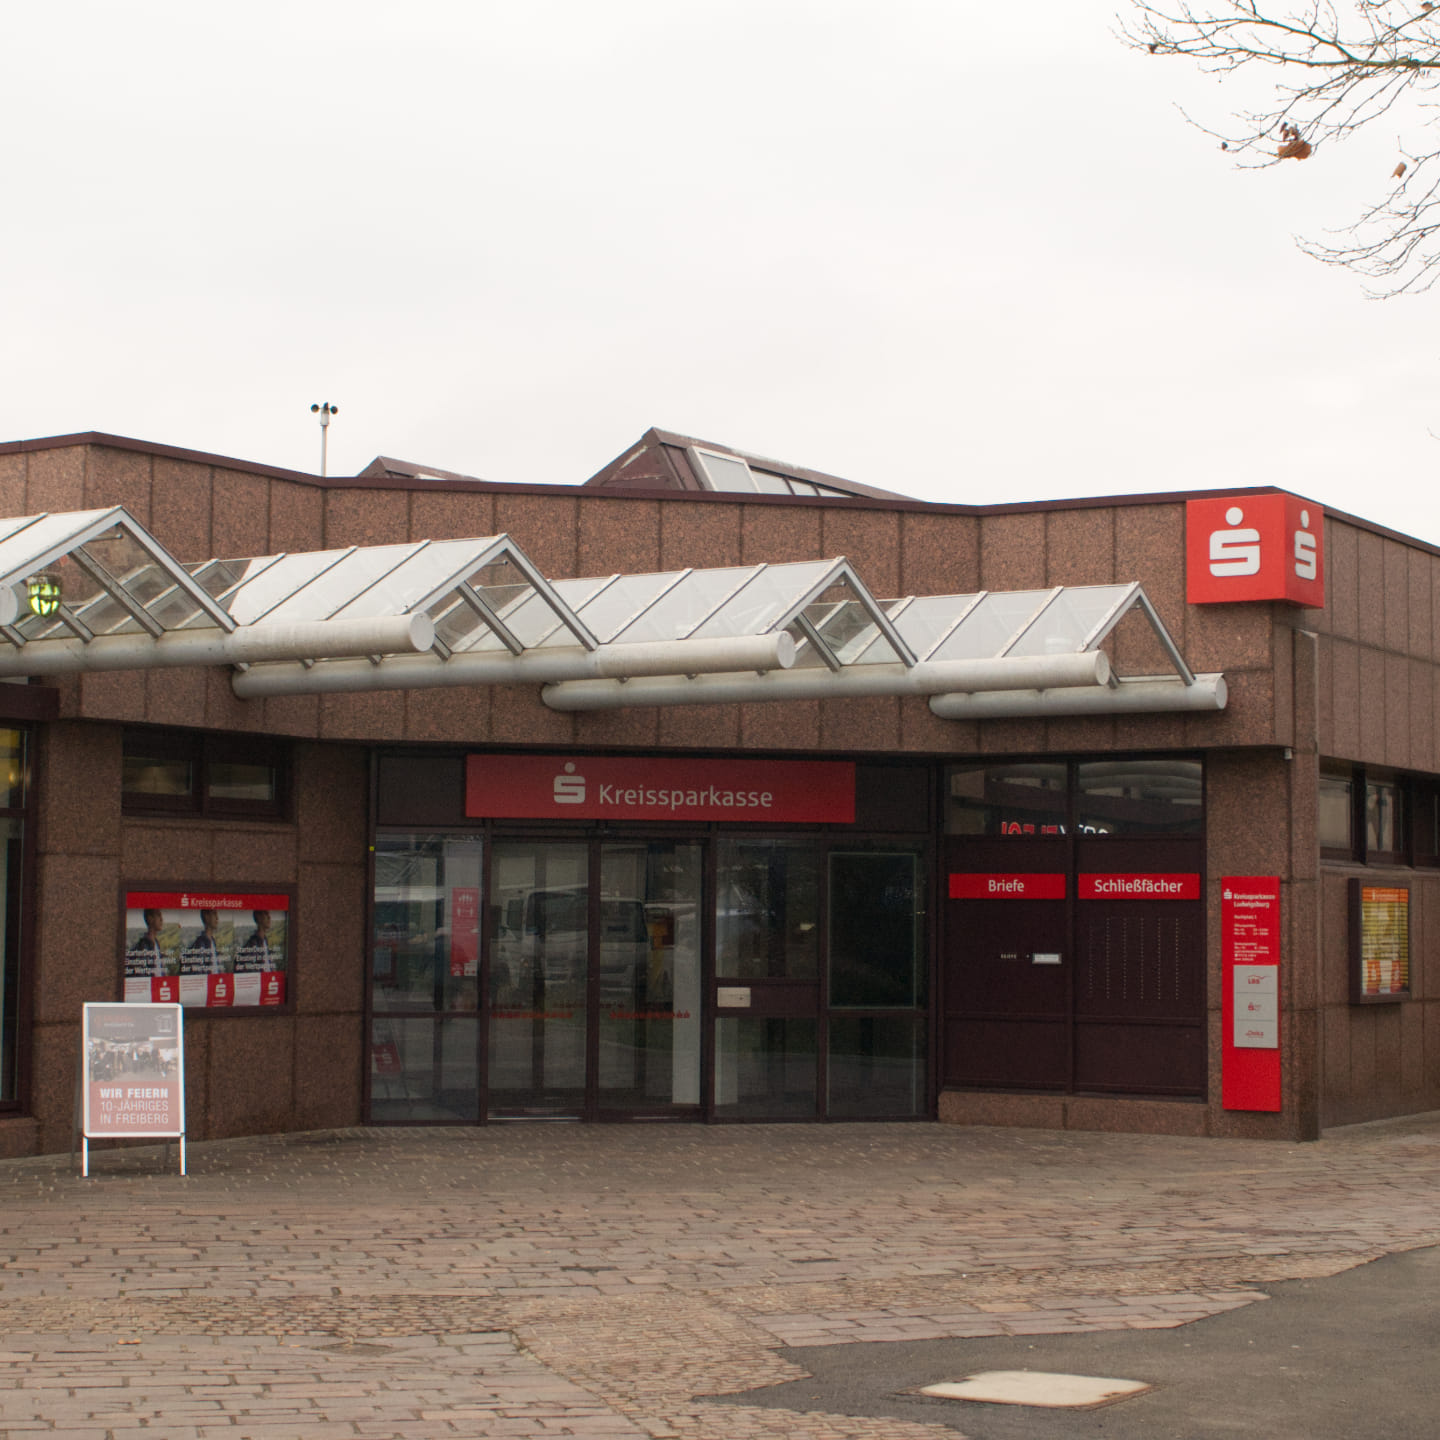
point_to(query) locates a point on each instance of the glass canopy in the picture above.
(485, 598)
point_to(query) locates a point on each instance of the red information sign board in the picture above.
(610, 787)
(1250, 1003)
(971, 886)
(1139, 887)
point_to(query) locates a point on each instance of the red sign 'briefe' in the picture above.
(1139, 887)
(595, 787)
(971, 886)
(1254, 547)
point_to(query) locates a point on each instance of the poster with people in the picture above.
(134, 1080)
(212, 949)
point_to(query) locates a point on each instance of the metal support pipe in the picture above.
(545, 666)
(816, 683)
(1141, 695)
(246, 644)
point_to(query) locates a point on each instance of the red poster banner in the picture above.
(464, 930)
(1250, 994)
(206, 949)
(970, 886)
(594, 787)
(1139, 887)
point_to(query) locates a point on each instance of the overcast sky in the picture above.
(966, 252)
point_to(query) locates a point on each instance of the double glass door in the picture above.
(564, 978)
(594, 977)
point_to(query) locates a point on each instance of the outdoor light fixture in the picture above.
(44, 592)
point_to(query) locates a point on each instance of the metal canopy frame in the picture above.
(434, 613)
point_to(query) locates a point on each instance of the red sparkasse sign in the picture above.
(1250, 993)
(1254, 547)
(972, 886)
(1139, 887)
(595, 787)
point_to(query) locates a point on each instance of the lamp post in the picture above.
(324, 411)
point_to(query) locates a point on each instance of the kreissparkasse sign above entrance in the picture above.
(1254, 547)
(626, 787)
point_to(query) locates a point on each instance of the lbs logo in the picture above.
(1254, 547)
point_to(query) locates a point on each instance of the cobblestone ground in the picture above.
(545, 1280)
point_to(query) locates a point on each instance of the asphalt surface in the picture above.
(1357, 1355)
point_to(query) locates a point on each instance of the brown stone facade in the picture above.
(1355, 682)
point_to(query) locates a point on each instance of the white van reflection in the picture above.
(544, 936)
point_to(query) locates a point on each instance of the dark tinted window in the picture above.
(1141, 797)
(1024, 798)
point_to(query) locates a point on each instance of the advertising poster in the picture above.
(134, 1075)
(211, 949)
(1379, 942)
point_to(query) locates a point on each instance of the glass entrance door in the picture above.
(539, 977)
(595, 996)
(648, 1033)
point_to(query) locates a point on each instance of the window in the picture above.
(1141, 797)
(1384, 832)
(178, 772)
(1337, 817)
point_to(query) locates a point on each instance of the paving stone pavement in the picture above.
(546, 1280)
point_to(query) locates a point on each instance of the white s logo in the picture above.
(1305, 546)
(1235, 552)
(569, 788)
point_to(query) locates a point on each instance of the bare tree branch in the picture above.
(1339, 68)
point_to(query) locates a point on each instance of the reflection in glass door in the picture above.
(539, 969)
(648, 1038)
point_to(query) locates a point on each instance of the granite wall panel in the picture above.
(870, 724)
(118, 477)
(77, 935)
(795, 726)
(180, 507)
(1372, 706)
(1080, 547)
(327, 1097)
(254, 854)
(635, 726)
(251, 1076)
(619, 537)
(55, 479)
(870, 541)
(113, 695)
(699, 536)
(697, 727)
(778, 533)
(546, 528)
(297, 518)
(12, 484)
(176, 697)
(283, 714)
(452, 515)
(939, 554)
(1345, 679)
(78, 818)
(329, 926)
(1342, 579)
(461, 713)
(1397, 595)
(379, 716)
(1419, 603)
(239, 514)
(1012, 552)
(517, 717)
(1397, 711)
(365, 517)
(169, 851)
(1371, 587)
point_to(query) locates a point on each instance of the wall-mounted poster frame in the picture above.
(1379, 943)
(217, 948)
